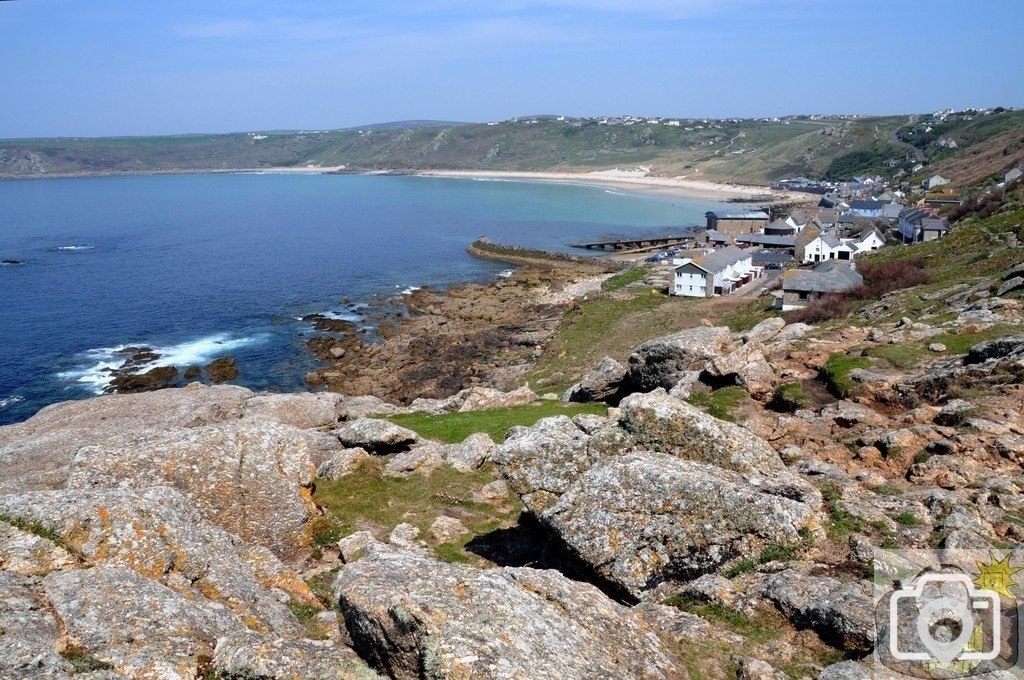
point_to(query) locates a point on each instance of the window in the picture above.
(803, 295)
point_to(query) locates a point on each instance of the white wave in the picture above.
(342, 316)
(408, 291)
(73, 248)
(95, 373)
(9, 401)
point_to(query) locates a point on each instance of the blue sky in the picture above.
(107, 67)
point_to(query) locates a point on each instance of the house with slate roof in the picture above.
(717, 273)
(800, 287)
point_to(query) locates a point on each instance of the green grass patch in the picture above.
(607, 326)
(761, 626)
(453, 553)
(886, 489)
(898, 356)
(960, 343)
(907, 519)
(368, 499)
(720, 403)
(623, 279)
(837, 372)
(841, 523)
(744, 318)
(455, 427)
(773, 552)
(790, 397)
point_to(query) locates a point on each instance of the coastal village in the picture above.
(682, 460)
(810, 252)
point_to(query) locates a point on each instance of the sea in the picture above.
(202, 266)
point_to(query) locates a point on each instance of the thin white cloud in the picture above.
(216, 29)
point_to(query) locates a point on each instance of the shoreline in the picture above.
(677, 187)
(632, 182)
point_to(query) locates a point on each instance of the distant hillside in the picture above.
(755, 151)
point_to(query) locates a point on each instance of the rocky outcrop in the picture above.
(411, 616)
(249, 655)
(843, 613)
(37, 453)
(216, 467)
(662, 361)
(379, 437)
(542, 462)
(474, 451)
(642, 518)
(31, 640)
(601, 383)
(302, 410)
(342, 463)
(158, 534)
(745, 367)
(658, 422)
(143, 628)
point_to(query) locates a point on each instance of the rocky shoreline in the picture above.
(433, 343)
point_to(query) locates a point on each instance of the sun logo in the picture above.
(997, 576)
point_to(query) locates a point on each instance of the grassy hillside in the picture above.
(736, 150)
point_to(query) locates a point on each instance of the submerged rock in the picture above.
(411, 617)
(223, 369)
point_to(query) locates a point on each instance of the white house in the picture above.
(1012, 175)
(825, 247)
(935, 181)
(717, 273)
(869, 240)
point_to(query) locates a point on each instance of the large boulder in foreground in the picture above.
(37, 453)
(661, 362)
(246, 654)
(304, 410)
(376, 436)
(642, 518)
(218, 467)
(601, 383)
(139, 626)
(31, 634)
(658, 422)
(541, 462)
(410, 617)
(158, 534)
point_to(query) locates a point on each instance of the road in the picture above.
(918, 154)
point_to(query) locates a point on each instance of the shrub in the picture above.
(825, 308)
(885, 277)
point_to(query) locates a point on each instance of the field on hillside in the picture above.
(754, 151)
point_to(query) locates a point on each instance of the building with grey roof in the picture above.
(800, 287)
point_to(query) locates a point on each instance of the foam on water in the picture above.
(341, 316)
(9, 401)
(95, 373)
(73, 248)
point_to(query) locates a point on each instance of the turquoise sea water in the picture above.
(200, 266)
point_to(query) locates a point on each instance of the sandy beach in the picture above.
(639, 182)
